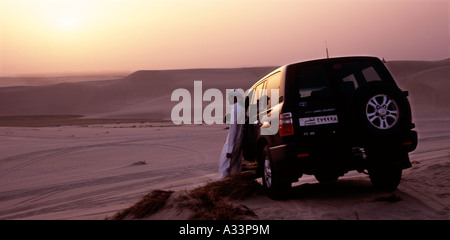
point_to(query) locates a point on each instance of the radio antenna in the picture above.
(326, 49)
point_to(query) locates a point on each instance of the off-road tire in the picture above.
(385, 178)
(324, 177)
(276, 186)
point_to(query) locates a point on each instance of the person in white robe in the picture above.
(230, 158)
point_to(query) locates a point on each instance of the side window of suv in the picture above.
(260, 90)
(273, 83)
(313, 81)
(355, 74)
(370, 74)
(253, 99)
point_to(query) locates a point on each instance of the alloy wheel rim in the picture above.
(382, 111)
(267, 172)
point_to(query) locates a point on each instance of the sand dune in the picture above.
(51, 79)
(143, 94)
(146, 94)
(63, 168)
(403, 70)
(427, 83)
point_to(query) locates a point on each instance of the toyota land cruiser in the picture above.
(335, 115)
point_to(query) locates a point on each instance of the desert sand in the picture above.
(88, 149)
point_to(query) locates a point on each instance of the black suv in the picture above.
(335, 115)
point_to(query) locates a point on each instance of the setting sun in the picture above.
(87, 35)
(68, 23)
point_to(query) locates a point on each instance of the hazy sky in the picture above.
(65, 36)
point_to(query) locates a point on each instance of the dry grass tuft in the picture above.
(150, 204)
(237, 187)
(211, 201)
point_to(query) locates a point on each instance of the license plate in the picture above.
(318, 120)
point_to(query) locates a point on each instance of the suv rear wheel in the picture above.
(324, 177)
(385, 178)
(277, 188)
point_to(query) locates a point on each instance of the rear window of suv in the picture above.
(313, 81)
(325, 78)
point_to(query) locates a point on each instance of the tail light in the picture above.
(407, 143)
(286, 125)
(300, 155)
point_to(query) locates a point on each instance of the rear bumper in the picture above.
(290, 156)
(293, 160)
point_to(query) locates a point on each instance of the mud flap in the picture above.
(284, 157)
(409, 143)
(401, 161)
(394, 159)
